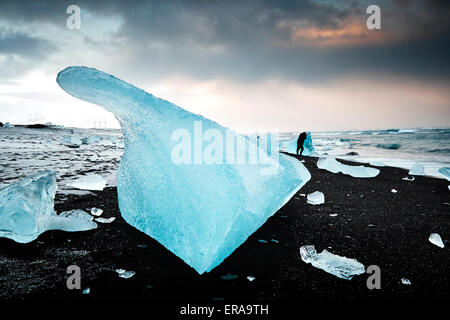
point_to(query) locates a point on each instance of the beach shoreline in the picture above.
(373, 225)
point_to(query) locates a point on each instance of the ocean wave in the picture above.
(445, 150)
(393, 146)
(407, 130)
(348, 140)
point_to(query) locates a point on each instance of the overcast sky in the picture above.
(249, 64)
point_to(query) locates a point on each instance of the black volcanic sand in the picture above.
(373, 225)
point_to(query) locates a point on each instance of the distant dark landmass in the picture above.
(38, 126)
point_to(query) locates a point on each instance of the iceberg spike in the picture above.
(200, 211)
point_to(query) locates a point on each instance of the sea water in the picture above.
(25, 150)
(395, 147)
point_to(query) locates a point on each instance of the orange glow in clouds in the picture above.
(349, 32)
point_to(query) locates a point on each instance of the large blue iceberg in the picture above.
(193, 199)
(173, 181)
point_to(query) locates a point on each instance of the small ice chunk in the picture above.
(26, 209)
(90, 182)
(315, 198)
(406, 281)
(91, 139)
(7, 125)
(77, 214)
(86, 291)
(274, 241)
(72, 141)
(262, 241)
(105, 220)
(333, 214)
(436, 240)
(408, 178)
(250, 278)
(96, 212)
(341, 267)
(445, 171)
(125, 274)
(417, 170)
(229, 277)
(332, 165)
(94, 158)
(394, 191)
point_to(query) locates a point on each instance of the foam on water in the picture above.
(24, 151)
(428, 146)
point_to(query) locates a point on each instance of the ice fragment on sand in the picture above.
(445, 171)
(125, 274)
(406, 281)
(436, 240)
(315, 198)
(105, 220)
(332, 165)
(417, 170)
(408, 178)
(86, 291)
(341, 267)
(96, 212)
(394, 191)
(26, 209)
(200, 211)
(90, 182)
(250, 278)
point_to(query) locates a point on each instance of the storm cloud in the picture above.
(310, 43)
(249, 40)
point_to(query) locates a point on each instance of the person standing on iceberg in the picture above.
(300, 141)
